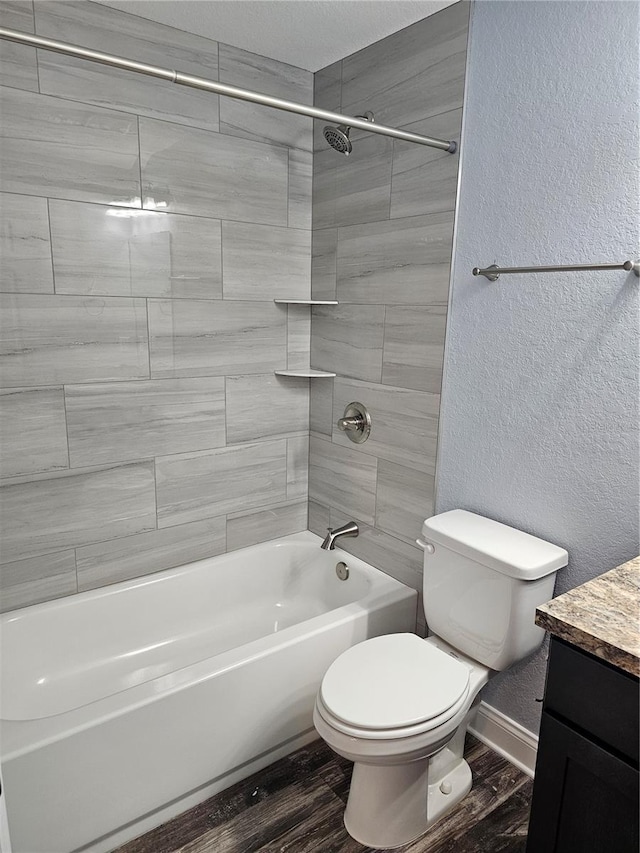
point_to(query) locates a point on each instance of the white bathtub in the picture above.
(123, 706)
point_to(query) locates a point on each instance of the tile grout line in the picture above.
(139, 161)
(51, 252)
(155, 491)
(222, 242)
(66, 427)
(148, 328)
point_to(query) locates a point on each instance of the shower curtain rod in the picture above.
(221, 88)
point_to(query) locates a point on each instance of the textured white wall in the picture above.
(540, 400)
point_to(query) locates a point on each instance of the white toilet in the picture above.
(399, 706)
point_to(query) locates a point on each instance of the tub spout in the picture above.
(348, 529)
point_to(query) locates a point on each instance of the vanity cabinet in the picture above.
(586, 792)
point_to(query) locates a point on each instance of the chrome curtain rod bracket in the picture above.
(494, 272)
(222, 89)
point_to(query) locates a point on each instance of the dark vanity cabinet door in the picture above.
(586, 792)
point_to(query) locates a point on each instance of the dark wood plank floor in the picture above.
(296, 806)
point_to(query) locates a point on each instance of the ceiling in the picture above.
(307, 33)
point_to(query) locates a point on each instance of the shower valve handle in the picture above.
(355, 422)
(346, 424)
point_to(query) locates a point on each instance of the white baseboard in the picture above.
(506, 737)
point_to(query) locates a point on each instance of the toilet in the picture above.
(398, 706)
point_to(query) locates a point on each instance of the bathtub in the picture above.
(123, 706)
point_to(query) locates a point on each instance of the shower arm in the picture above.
(221, 88)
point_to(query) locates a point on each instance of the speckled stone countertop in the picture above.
(601, 617)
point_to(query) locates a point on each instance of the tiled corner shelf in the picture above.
(306, 373)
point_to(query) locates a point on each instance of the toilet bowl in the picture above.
(398, 706)
(391, 705)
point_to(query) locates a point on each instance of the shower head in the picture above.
(338, 137)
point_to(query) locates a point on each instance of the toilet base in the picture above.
(391, 805)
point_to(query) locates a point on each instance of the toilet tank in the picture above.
(482, 583)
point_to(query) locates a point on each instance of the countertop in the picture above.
(601, 617)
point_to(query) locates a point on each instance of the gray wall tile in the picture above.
(319, 519)
(33, 435)
(326, 190)
(193, 338)
(121, 421)
(112, 31)
(364, 179)
(75, 508)
(298, 466)
(187, 170)
(18, 66)
(342, 478)
(347, 340)
(261, 259)
(265, 406)
(37, 579)
(269, 77)
(354, 189)
(404, 498)
(122, 252)
(404, 426)
(324, 245)
(414, 346)
(53, 147)
(49, 340)
(25, 245)
(298, 337)
(300, 188)
(404, 261)
(202, 485)
(425, 179)
(250, 528)
(321, 407)
(17, 15)
(145, 553)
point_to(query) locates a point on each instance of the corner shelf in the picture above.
(305, 301)
(305, 374)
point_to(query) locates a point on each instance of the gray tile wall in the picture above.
(145, 232)
(381, 245)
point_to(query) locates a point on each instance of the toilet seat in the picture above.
(393, 686)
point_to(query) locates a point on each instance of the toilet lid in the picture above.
(393, 681)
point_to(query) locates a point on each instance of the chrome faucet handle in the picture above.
(346, 424)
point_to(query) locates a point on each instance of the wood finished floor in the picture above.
(296, 806)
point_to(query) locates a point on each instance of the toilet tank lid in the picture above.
(498, 546)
